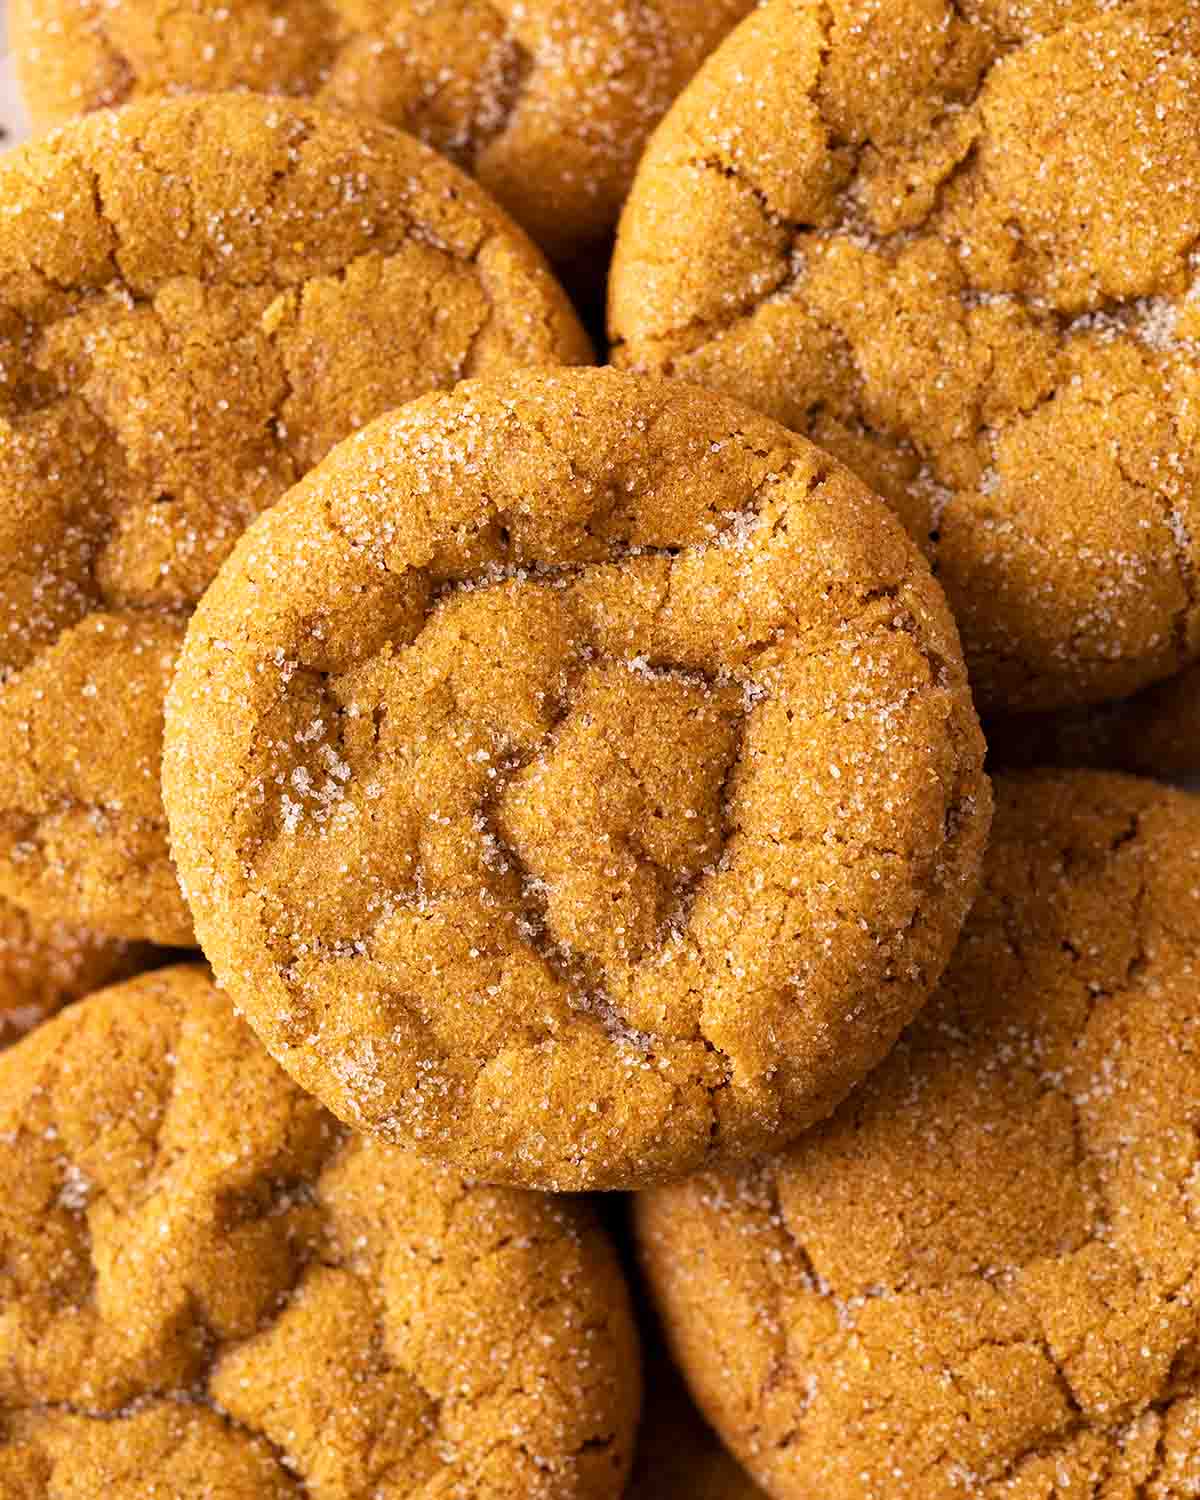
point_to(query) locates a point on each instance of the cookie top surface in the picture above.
(206, 1278)
(575, 777)
(996, 1240)
(197, 299)
(956, 244)
(43, 965)
(547, 102)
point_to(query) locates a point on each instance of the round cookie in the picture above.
(207, 1280)
(1155, 733)
(198, 298)
(44, 965)
(955, 243)
(575, 777)
(547, 102)
(982, 1275)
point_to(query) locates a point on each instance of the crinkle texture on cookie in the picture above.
(982, 1275)
(198, 298)
(576, 777)
(547, 102)
(956, 243)
(43, 965)
(205, 1279)
(1154, 733)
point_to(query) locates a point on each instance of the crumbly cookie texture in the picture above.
(198, 298)
(575, 778)
(43, 965)
(207, 1280)
(982, 1275)
(1154, 733)
(956, 243)
(547, 102)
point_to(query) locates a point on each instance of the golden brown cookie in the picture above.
(1156, 733)
(197, 299)
(575, 777)
(547, 102)
(954, 241)
(982, 1275)
(43, 965)
(210, 1288)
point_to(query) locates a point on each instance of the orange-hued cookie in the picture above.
(955, 243)
(575, 777)
(198, 298)
(43, 965)
(547, 102)
(981, 1276)
(211, 1289)
(1156, 733)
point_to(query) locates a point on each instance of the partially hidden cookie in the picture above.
(547, 102)
(210, 1288)
(982, 1275)
(955, 243)
(678, 1455)
(1154, 733)
(575, 778)
(43, 965)
(198, 298)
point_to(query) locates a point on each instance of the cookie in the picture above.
(982, 1275)
(678, 1455)
(198, 298)
(547, 103)
(1155, 733)
(955, 244)
(575, 778)
(209, 1282)
(45, 965)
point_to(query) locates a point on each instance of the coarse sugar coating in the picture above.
(43, 965)
(547, 102)
(981, 1276)
(575, 778)
(1154, 733)
(211, 1288)
(955, 242)
(198, 298)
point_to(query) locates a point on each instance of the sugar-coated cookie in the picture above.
(211, 1288)
(956, 243)
(575, 777)
(197, 299)
(547, 102)
(982, 1275)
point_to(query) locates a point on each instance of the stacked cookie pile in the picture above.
(572, 778)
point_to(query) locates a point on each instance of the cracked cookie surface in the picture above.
(547, 102)
(205, 1279)
(981, 1276)
(955, 242)
(44, 965)
(198, 298)
(575, 778)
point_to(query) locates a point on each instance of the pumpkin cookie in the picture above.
(955, 243)
(982, 1275)
(1156, 732)
(208, 1280)
(198, 298)
(547, 102)
(45, 965)
(575, 777)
